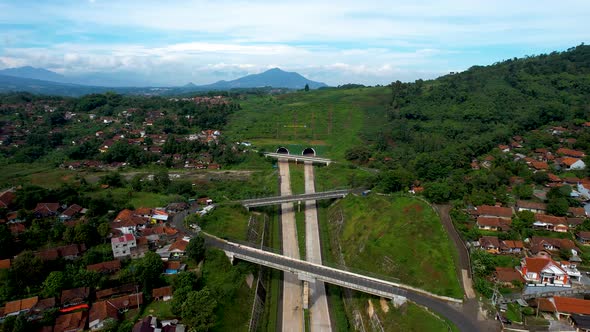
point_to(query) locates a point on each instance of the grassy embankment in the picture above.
(394, 227)
(330, 121)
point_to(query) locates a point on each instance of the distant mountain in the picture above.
(34, 73)
(275, 77)
(42, 81)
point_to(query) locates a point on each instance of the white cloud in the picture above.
(336, 42)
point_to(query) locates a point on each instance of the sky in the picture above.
(336, 42)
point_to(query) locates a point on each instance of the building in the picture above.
(105, 267)
(127, 222)
(122, 245)
(74, 322)
(583, 238)
(162, 294)
(564, 307)
(493, 223)
(493, 211)
(44, 210)
(495, 246)
(533, 207)
(100, 313)
(15, 308)
(75, 296)
(573, 163)
(551, 223)
(543, 271)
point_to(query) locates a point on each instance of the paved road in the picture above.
(296, 198)
(292, 320)
(453, 312)
(319, 313)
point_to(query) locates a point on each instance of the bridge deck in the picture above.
(295, 198)
(306, 270)
(295, 157)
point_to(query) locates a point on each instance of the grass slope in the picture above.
(401, 237)
(315, 118)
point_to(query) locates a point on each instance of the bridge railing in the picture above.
(324, 262)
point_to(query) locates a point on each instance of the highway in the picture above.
(292, 315)
(446, 307)
(313, 196)
(319, 313)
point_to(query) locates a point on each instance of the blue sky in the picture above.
(337, 42)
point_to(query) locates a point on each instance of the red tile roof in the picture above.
(577, 211)
(550, 219)
(539, 165)
(46, 209)
(161, 292)
(180, 245)
(531, 205)
(102, 310)
(73, 322)
(489, 242)
(496, 211)
(494, 222)
(72, 210)
(570, 152)
(111, 266)
(537, 264)
(6, 199)
(19, 305)
(5, 263)
(571, 305)
(507, 274)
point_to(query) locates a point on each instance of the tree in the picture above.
(557, 206)
(437, 192)
(6, 244)
(198, 310)
(196, 248)
(53, 284)
(148, 269)
(162, 180)
(306, 87)
(27, 269)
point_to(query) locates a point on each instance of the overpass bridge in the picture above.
(277, 200)
(306, 271)
(297, 158)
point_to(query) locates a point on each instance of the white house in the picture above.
(543, 271)
(122, 245)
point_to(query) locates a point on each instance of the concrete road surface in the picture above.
(319, 313)
(292, 287)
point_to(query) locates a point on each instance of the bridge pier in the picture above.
(230, 256)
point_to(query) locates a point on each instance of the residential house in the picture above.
(579, 212)
(552, 223)
(72, 251)
(111, 292)
(564, 307)
(7, 199)
(122, 245)
(511, 247)
(75, 296)
(490, 244)
(583, 238)
(534, 207)
(176, 207)
(173, 267)
(44, 210)
(73, 322)
(43, 305)
(543, 271)
(127, 222)
(574, 222)
(100, 313)
(570, 153)
(105, 267)
(539, 165)
(15, 308)
(71, 212)
(178, 248)
(162, 293)
(5, 264)
(152, 324)
(547, 244)
(571, 268)
(573, 163)
(493, 223)
(494, 246)
(507, 275)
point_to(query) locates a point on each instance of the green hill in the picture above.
(428, 127)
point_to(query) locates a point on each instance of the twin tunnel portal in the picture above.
(304, 278)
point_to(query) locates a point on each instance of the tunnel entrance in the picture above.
(308, 152)
(283, 150)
